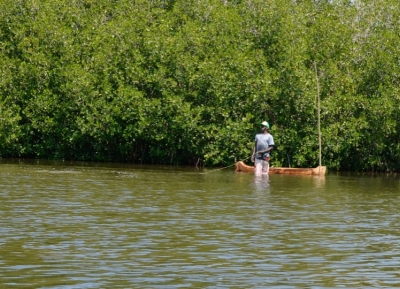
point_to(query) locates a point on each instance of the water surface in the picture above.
(119, 226)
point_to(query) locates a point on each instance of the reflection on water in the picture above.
(104, 226)
(261, 183)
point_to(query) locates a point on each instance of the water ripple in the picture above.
(160, 228)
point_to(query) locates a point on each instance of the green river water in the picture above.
(80, 225)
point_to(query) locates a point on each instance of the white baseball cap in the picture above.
(264, 123)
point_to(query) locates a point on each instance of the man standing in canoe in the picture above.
(264, 144)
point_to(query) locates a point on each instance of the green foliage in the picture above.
(188, 82)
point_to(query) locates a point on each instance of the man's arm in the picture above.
(271, 147)
(254, 152)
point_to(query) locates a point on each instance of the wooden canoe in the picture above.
(242, 167)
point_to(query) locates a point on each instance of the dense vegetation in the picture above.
(188, 82)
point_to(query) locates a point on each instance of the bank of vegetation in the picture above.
(188, 81)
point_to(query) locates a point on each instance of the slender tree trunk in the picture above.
(319, 117)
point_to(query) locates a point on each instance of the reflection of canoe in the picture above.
(242, 167)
